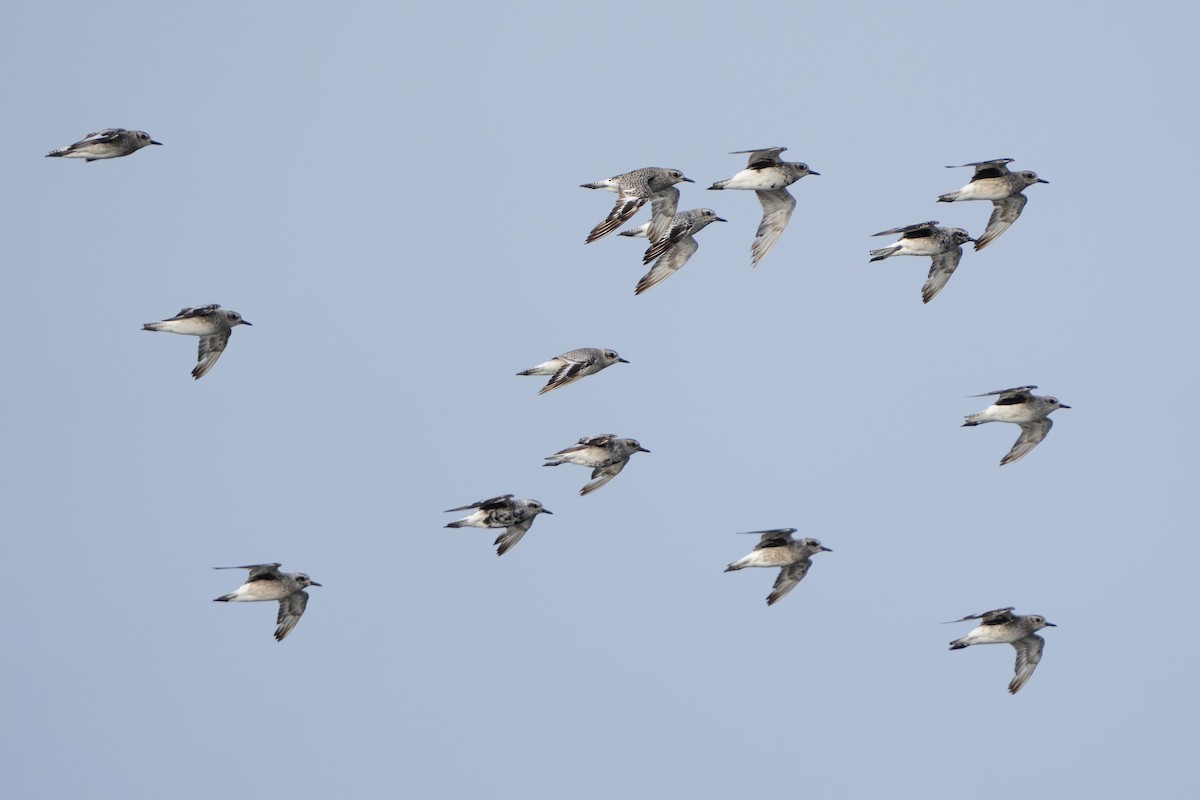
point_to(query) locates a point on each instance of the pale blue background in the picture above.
(390, 194)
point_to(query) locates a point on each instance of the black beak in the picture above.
(547, 511)
(1039, 180)
(1063, 405)
(623, 361)
(1051, 625)
(689, 180)
(154, 142)
(313, 583)
(643, 450)
(813, 172)
(718, 219)
(245, 322)
(826, 549)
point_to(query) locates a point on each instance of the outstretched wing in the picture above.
(512, 534)
(1031, 436)
(1029, 653)
(788, 578)
(666, 266)
(290, 610)
(210, 350)
(943, 267)
(625, 207)
(766, 157)
(777, 210)
(1003, 216)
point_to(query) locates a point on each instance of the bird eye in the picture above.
(803, 167)
(610, 353)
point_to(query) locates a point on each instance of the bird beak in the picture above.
(718, 219)
(1051, 625)
(313, 583)
(826, 549)
(813, 172)
(547, 511)
(1063, 405)
(1039, 180)
(154, 142)
(643, 450)
(245, 322)
(623, 361)
(689, 180)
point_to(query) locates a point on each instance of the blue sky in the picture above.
(390, 194)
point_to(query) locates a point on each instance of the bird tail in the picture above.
(718, 185)
(458, 523)
(56, 154)
(958, 644)
(152, 326)
(225, 598)
(884, 252)
(948, 198)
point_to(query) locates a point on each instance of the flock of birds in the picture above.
(671, 234)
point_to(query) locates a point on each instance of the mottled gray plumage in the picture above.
(993, 181)
(777, 548)
(515, 516)
(266, 582)
(942, 245)
(1001, 626)
(573, 365)
(1021, 407)
(768, 176)
(634, 189)
(108, 143)
(211, 323)
(606, 454)
(673, 249)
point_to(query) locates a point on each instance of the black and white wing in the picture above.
(999, 616)
(626, 206)
(775, 537)
(1016, 395)
(915, 231)
(512, 534)
(259, 572)
(574, 366)
(986, 169)
(602, 475)
(492, 503)
(662, 211)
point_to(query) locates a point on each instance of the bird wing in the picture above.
(1031, 436)
(1003, 216)
(776, 537)
(210, 350)
(986, 169)
(573, 368)
(198, 311)
(512, 534)
(914, 231)
(1029, 653)
(943, 267)
(100, 137)
(777, 210)
(625, 207)
(662, 212)
(259, 571)
(666, 265)
(1018, 394)
(681, 226)
(998, 616)
(290, 610)
(602, 475)
(489, 504)
(789, 576)
(766, 157)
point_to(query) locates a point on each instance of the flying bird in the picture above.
(777, 548)
(573, 365)
(266, 582)
(606, 453)
(942, 245)
(211, 323)
(634, 189)
(769, 177)
(671, 251)
(515, 516)
(108, 143)
(993, 181)
(1021, 407)
(1003, 627)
